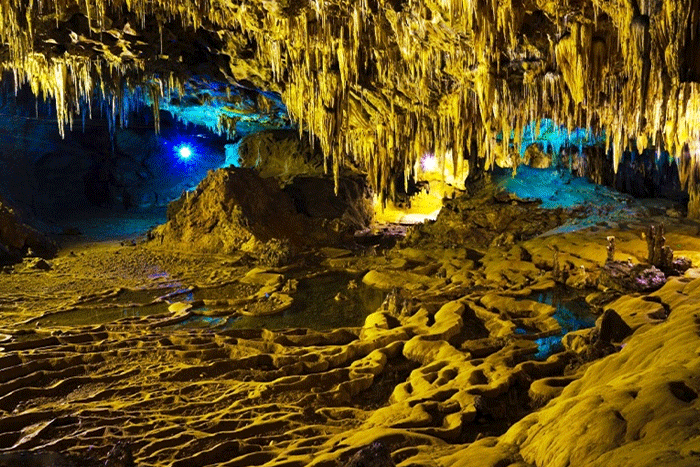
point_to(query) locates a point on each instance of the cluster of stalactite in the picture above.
(382, 82)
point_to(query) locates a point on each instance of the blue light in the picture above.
(185, 152)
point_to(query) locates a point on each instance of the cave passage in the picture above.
(391, 233)
(261, 311)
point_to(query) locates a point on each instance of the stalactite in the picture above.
(379, 85)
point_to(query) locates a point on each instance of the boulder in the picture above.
(624, 276)
(235, 209)
(612, 328)
(18, 239)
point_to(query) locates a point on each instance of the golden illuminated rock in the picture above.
(382, 83)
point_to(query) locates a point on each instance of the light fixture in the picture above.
(429, 163)
(184, 152)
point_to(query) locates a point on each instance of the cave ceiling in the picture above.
(382, 82)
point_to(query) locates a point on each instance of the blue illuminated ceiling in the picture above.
(553, 137)
(225, 109)
(113, 157)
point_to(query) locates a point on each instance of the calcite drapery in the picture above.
(382, 82)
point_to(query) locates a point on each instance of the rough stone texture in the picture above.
(385, 82)
(235, 209)
(680, 265)
(660, 255)
(375, 455)
(299, 168)
(624, 276)
(276, 252)
(486, 219)
(230, 208)
(282, 154)
(437, 373)
(95, 169)
(17, 239)
(536, 158)
(316, 198)
(119, 456)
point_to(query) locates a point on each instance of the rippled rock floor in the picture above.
(169, 355)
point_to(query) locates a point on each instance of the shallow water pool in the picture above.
(322, 302)
(572, 313)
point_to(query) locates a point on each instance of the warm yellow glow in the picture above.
(423, 207)
(429, 163)
(382, 87)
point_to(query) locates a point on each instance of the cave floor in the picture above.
(131, 344)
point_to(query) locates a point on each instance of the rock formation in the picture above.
(165, 351)
(281, 154)
(383, 82)
(234, 209)
(147, 344)
(18, 240)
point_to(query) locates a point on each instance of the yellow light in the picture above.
(429, 163)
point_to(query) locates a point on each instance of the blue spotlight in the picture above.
(184, 152)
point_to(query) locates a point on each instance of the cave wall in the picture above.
(48, 176)
(382, 82)
(642, 174)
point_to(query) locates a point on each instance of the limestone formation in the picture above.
(235, 209)
(250, 330)
(481, 219)
(611, 249)
(230, 209)
(281, 154)
(167, 352)
(660, 255)
(612, 328)
(624, 276)
(383, 83)
(535, 157)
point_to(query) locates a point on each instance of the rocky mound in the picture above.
(486, 219)
(235, 209)
(17, 239)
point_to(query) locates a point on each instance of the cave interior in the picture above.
(371, 233)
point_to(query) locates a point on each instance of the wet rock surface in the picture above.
(441, 373)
